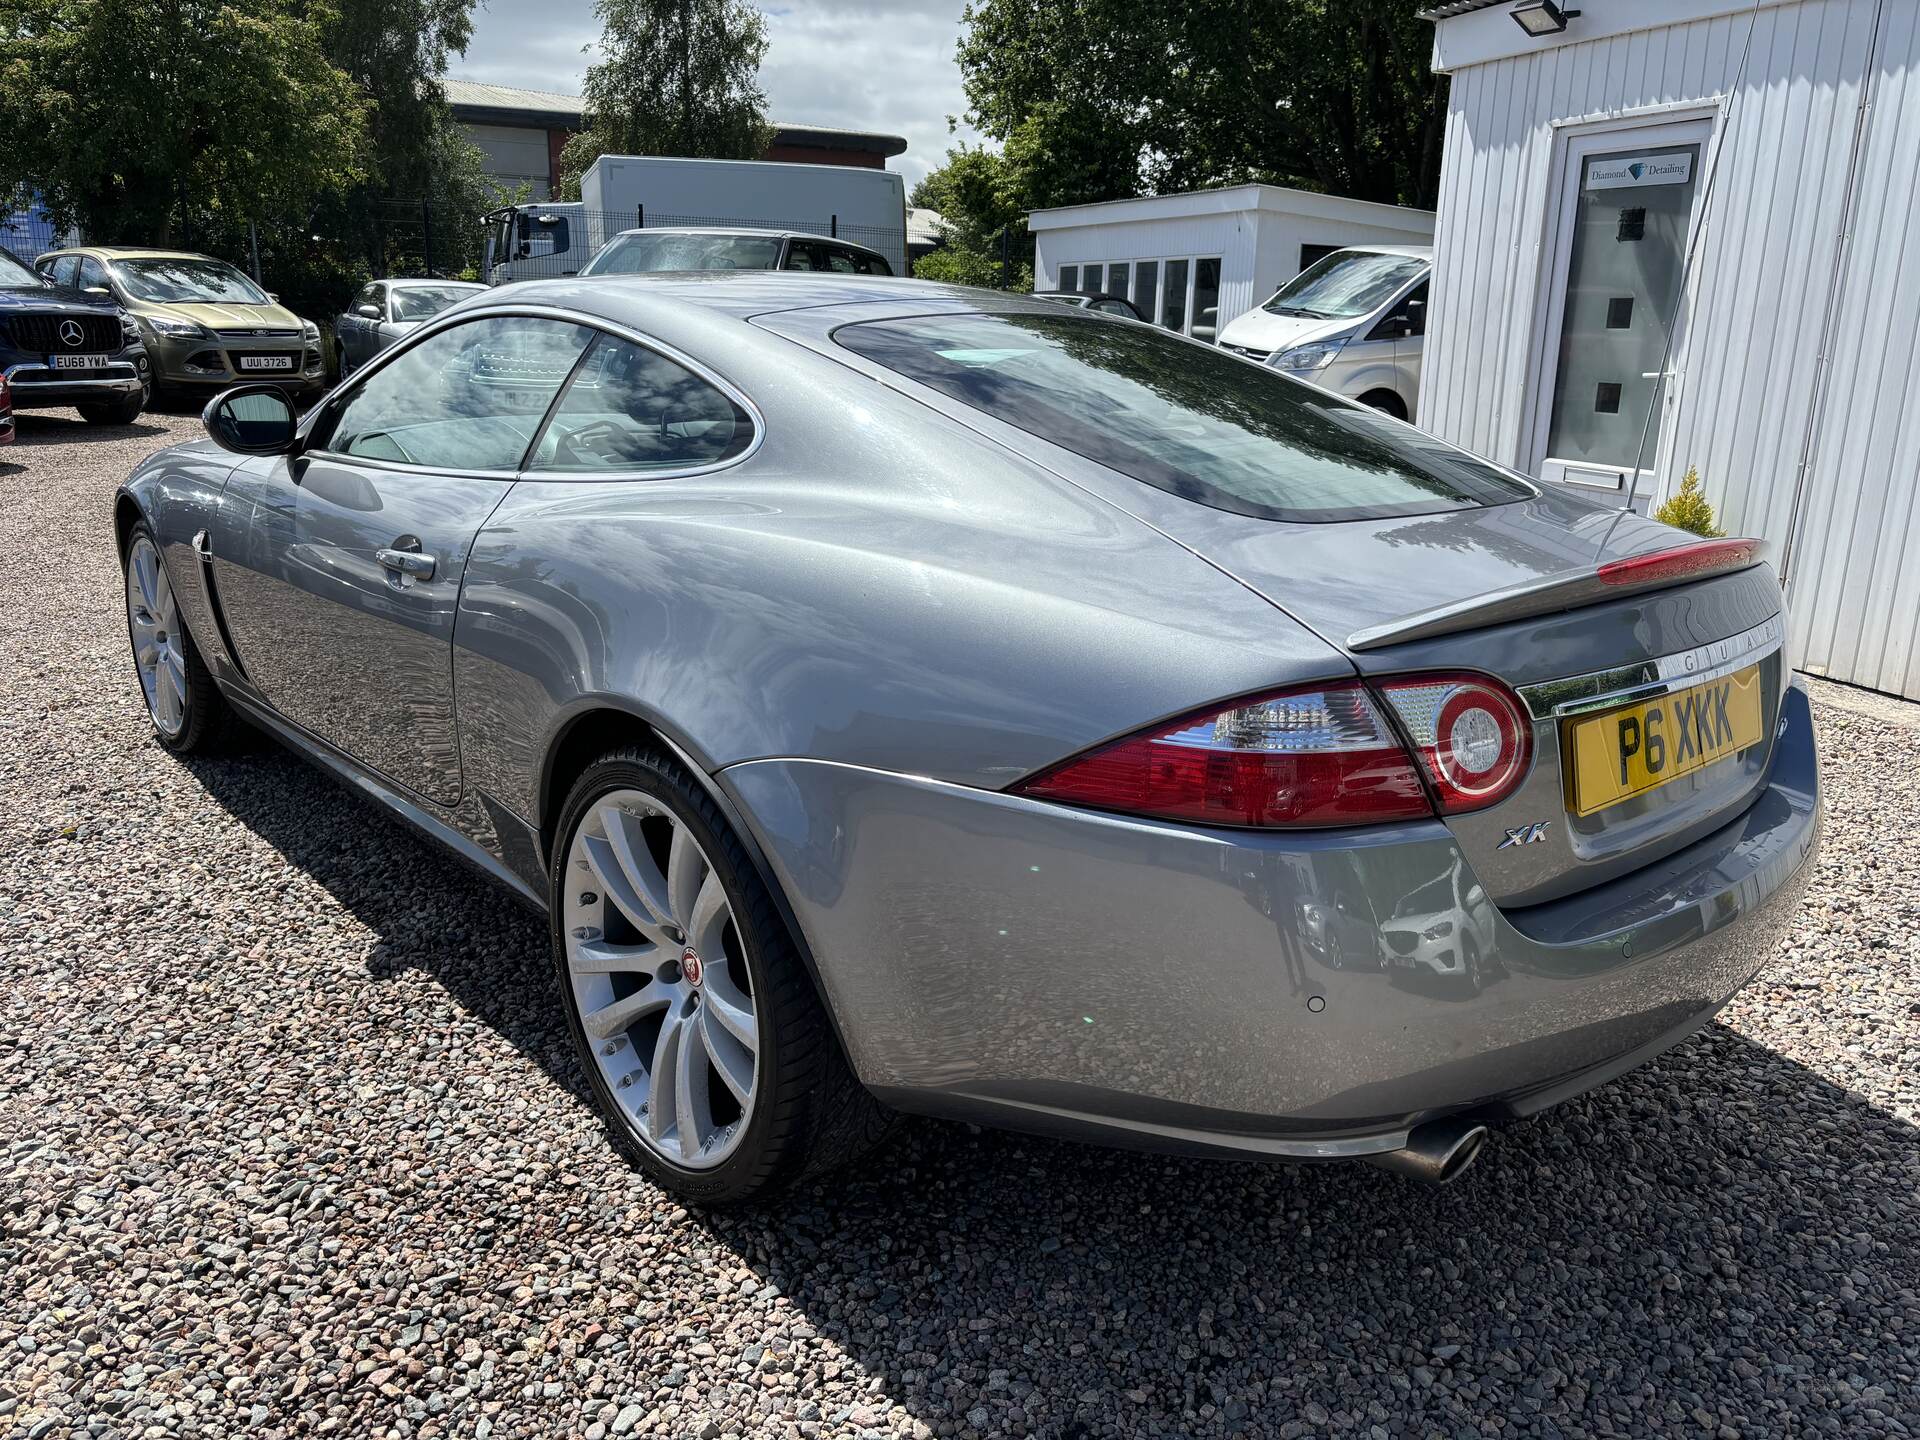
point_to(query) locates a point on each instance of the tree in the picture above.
(978, 195)
(1105, 99)
(396, 52)
(156, 120)
(678, 77)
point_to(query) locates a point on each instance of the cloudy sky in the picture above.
(882, 65)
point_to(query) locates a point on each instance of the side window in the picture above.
(845, 262)
(469, 398)
(804, 256)
(1416, 307)
(93, 275)
(543, 235)
(631, 408)
(1408, 318)
(63, 269)
(875, 265)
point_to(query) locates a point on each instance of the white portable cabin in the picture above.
(1780, 141)
(1179, 256)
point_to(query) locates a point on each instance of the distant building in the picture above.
(521, 131)
(1197, 259)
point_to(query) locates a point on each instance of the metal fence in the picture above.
(25, 227)
(539, 241)
(416, 238)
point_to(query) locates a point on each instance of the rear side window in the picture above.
(629, 408)
(1188, 420)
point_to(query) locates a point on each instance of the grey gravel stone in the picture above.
(289, 1123)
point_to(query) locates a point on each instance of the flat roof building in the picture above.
(520, 132)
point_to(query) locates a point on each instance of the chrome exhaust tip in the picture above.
(1436, 1152)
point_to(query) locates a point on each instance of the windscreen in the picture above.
(15, 275)
(423, 302)
(188, 282)
(1184, 418)
(642, 254)
(1345, 285)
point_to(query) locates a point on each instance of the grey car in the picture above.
(385, 310)
(904, 697)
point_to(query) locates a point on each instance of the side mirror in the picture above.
(250, 420)
(367, 312)
(274, 296)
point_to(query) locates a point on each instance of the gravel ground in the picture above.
(291, 1143)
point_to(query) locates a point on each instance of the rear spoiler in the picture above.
(1651, 570)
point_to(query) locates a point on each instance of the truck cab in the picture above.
(535, 242)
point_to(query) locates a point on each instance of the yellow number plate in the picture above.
(1637, 748)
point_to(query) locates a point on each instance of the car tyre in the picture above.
(1387, 402)
(117, 412)
(808, 1114)
(202, 721)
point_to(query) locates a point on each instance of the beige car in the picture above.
(206, 324)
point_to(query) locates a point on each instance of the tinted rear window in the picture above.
(1184, 418)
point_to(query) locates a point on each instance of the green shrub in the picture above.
(1687, 507)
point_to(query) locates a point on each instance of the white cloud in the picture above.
(859, 64)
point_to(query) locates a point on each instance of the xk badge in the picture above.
(1525, 835)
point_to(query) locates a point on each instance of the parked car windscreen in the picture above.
(643, 254)
(188, 282)
(423, 302)
(17, 275)
(1345, 285)
(1183, 417)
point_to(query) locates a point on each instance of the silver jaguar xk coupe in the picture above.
(903, 697)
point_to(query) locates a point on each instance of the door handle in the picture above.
(403, 557)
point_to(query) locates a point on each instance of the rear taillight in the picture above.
(1470, 733)
(1682, 562)
(1314, 757)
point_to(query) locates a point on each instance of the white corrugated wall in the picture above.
(1759, 300)
(1855, 566)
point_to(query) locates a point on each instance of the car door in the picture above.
(359, 333)
(341, 598)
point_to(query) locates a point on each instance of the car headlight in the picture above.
(311, 331)
(178, 329)
(1438, 931)
(1316, 356)
(129, 329)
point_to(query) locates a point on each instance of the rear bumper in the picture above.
(1027, 965)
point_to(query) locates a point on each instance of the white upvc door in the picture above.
(1625, 203)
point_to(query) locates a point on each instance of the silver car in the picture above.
(903, 697)
(386, 310)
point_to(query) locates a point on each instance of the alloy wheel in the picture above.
(153, 619)
(660, 979)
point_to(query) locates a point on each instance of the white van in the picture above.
(1353, 322)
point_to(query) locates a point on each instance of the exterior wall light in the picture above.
(1540, 18)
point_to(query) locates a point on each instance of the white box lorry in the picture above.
(625, 192)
